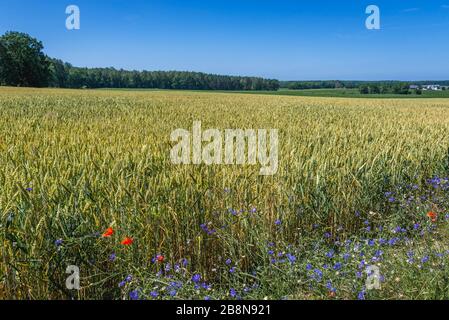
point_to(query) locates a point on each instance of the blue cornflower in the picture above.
(278, 222)
(232, 293)
(134, 295)
(128, 278)
(154, 294)
(173, 293)
(58, 242)
(228, 261)
(318, 274)
(112, 257)
(425, 259)
(309, 267)
(330, 254)
(206, 298)
(337, 266)
(361, 295)
(121, 284)
(232, 270)
(196, 278)
(291, 258)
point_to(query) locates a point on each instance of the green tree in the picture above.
(22, 62)
(364, 89)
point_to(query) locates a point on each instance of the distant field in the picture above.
(76, 162)
(351, 93)
(337, 93)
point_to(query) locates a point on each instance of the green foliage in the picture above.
(22, 62)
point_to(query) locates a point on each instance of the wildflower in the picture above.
(134, 295)
(291, 258)
(318, 274)
(361, 295)
(391, 199)
(160, 258)
(109, 232)
(232, 270)
(127, 241)
(128, 278)
(172, 293)
(330, 254)
(154, 294)
(432, 215)
(270, 252)
(337, 266)
(206, 298)
(112, 257)
(29, 189)
(228, 261)
(196, 278)
(278, 222)
(121, 284)
(58, 242)
(308, 267)
(425, 259)
(232, 293)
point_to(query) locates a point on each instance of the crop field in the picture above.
(86, 180)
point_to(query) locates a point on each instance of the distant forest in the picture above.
(336, 84)
(23, 63)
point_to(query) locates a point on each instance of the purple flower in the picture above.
(154, 294)
(337, 266)
(232, 270)
(112, 257)
(361, 295)
(121, 284)
(134, 295)
(278, 222)
(58, 242)
(291, 258)
(228, 261)
(173, 293)
(196, 278)
(232, 293)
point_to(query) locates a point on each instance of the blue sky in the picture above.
(282, 39)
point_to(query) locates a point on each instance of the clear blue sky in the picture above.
(283, 39)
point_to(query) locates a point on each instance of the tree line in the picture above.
(23, 63)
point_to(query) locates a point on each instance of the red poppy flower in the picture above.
(127, 241)
(109, 232)
(160, 258)
(432, 215)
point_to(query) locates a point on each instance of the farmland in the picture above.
(359, 181)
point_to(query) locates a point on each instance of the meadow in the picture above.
(86, 180)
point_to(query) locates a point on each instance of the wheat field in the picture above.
(75, 162)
